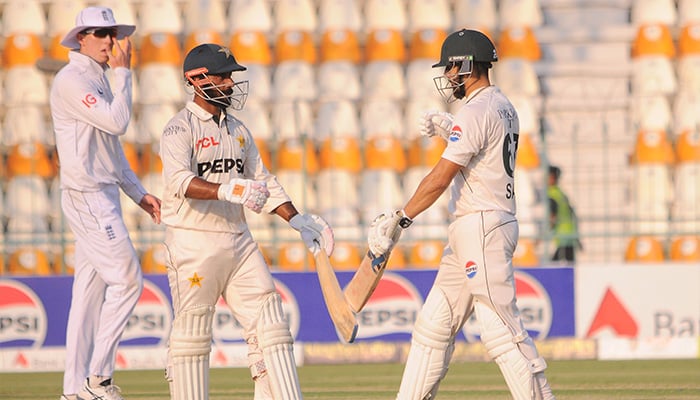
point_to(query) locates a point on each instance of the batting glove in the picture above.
(434, 122)
(250, 193)
(315, 232)
(385, 230)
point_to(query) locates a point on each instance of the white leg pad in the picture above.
(190, 346)
(276, 342)
(432, 345)
(258, 370)
(516, 357)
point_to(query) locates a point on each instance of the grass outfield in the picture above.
(590, 380)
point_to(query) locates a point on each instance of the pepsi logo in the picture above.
(470, 269)
(226, 329)
(393, 308)
(149, 323)
(23, 321)
(455, 134)
(534, 304)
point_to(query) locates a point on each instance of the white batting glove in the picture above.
(384, 232)
(250, 193)
(315, 232)
(434, 122)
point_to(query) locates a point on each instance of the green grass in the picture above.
(590, 380)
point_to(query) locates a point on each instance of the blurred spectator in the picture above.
(562, 220)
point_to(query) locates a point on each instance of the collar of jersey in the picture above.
(198, 111)
(87, 62)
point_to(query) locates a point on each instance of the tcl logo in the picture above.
(220, 166)
(206, 142)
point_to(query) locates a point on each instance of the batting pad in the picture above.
(190, 345)
(432, 345)
(276, 341)
(523, 373)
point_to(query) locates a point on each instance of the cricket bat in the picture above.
(365, 280)
(342, 316)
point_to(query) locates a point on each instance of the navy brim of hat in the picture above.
(70, 40)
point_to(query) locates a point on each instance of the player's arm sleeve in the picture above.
(130, 183)
(256, 169)
(176, 154)
(86, 104)
(467, 140)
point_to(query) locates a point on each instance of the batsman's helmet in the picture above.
(466, 45)
(212, 59)
(462, 49)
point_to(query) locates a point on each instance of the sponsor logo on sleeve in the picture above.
(455, 134)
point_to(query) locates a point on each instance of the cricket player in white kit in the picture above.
(88, 117)
(211, 170)
(476, 271)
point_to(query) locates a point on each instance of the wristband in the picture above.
(405, 222)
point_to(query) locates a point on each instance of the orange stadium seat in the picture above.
(385, 45)
(385, 152)
(528, 157)
(56, 50)
(297, 155)
(653, 147)
(150, 159)
(22, 49)
(251, 47)
(342, 153)
(295, 46)
(689, 39)
(397, 259)
(264, 151)
(644, 249)
(653, 40)
(425, 254)
(426, 43)
(519, 42)
(685, 248)
(161, 48)
(294, 256)
(131, 153)
(346, 256)
(340, 45)
(153, 260)
(64, 259)
(29, 261)
(425, 152)
(525, 254)
(27, 159)
(201, 36)
(688, 146)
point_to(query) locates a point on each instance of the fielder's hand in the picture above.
(250, 193)
(434, 122)
(384, 232)
(315, 232)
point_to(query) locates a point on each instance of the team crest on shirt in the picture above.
(195, 280)
(470, 269)
(455, 134)
(241, 141)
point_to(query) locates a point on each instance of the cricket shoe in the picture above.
(104, 391)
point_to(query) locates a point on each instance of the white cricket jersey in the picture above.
(194, 144)
(88, 118)
(483, 140)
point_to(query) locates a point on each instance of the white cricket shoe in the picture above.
(104, 391)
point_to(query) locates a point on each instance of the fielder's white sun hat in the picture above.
(95, 17)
